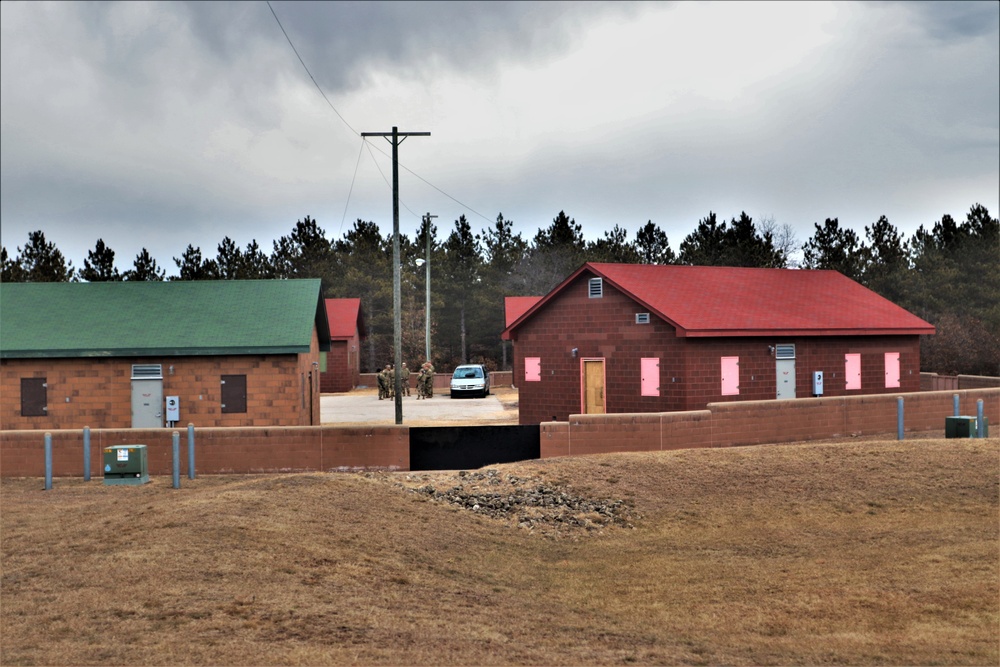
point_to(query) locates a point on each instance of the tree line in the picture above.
(947, 273)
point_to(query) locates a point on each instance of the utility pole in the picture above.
(427, 308)
(395, 138)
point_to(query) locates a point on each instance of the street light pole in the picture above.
(397, 329)
(427, 307)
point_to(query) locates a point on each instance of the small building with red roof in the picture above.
(624, 338)
(341, 369)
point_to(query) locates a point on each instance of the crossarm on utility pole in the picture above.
(397, 329)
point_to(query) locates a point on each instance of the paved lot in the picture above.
(363, 407)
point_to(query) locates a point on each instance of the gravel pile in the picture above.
(530, 503)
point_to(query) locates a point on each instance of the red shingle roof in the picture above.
(709, 301)
(515, 306)
(345, 317)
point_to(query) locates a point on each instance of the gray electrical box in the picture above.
(173, 408)
(125, 464)
(818, 383)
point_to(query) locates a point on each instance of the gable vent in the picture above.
(642, 318)
(784, 351)
(596, 288)
(147, 371)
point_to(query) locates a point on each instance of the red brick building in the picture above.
(341, 367)
(155, 354)
(625, 338)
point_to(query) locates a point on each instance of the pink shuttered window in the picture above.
(532, 369)
(730, 376)
(650, 381)
(852, 371)
(891, 370)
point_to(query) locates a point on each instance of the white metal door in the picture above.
(786, 378)
(147, 403)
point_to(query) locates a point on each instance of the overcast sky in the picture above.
(162, 124)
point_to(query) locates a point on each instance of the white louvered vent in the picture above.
(784, 352)
(642, 318)
(147, 371)
(596, 288)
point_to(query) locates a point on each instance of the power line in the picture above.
(307, 70)
(356, 133)
(349, 192)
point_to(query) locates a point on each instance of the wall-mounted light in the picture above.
(171, 370)
(770, 350)
(575, 351)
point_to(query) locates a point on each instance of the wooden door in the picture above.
(593, 387)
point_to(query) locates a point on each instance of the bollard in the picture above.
(190, 451)
(86, 453)
(899, 418)
(980, 426)
(954, 399)
(48, 461)
(177, 460)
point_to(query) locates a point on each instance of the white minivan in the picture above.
(470, 380)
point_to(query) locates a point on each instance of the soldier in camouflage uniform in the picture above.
(383, 383)
(425, 383)
(404, 377)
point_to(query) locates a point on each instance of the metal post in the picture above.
(177, 460)
(899, 418)
(955, 401)
(397, 328)
(427, 307)
(190, 451)
(980, 426)
(48, 461)
(86, 453)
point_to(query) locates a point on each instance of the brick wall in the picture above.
(935, 382)
(217, 450)
(690, 368)
(761, 422)
(343, 366)
(282, 390)
(758, 373)
(338, 376)
(602, 328)
(314, 448)
(977, 382)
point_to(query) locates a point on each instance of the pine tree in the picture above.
(100, 265)
(144, 268)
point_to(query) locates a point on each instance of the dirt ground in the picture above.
(862, 552)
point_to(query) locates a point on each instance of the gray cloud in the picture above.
(163, 124)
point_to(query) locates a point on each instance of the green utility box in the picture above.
(125, 464)
(964, 427)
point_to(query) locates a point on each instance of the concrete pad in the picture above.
(363, 407)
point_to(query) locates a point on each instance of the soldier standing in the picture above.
(391, 381)
(404, 377)
(428, 371)
(420, 383)
(383, 386)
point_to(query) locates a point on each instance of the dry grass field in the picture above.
(859, 553)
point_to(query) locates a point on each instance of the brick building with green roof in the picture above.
(146, 354)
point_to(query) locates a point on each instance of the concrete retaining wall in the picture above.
(217, 450)
(760, 422)
(328, 448)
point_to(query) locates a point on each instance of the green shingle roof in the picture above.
(118, 319)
